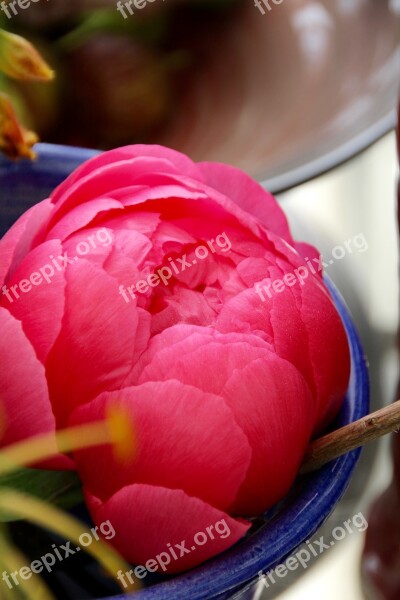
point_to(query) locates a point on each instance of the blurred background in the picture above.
(359, 197)
(303, 97)
(284, 95)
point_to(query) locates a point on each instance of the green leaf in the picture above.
(149, 31)
(61, 488)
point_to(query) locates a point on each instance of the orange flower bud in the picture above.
(15, 140)
(20, 60)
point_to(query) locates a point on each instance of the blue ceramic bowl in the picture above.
(312, 498)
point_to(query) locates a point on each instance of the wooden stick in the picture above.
(343, 440)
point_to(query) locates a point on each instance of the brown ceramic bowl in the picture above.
(293, 93)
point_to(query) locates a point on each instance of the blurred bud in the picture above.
(20, 60)
(15, 141)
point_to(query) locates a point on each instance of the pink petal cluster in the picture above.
(224, 388)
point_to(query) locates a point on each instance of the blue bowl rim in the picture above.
(275, 184)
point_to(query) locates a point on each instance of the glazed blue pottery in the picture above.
(313, 497)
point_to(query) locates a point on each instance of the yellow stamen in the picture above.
(122, 432)
(47, 516)
(12, 560)
(115, 430)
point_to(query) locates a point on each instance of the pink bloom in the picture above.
(165, 299)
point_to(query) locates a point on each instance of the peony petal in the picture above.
(133, 245)
(246, 313)
(96, 345)
(205, 362)
(41, 308)
(248, 194)
(273, 315)
(325, 360)
(149, 521)
(89, 184)
(309, 253)
(183, 306)
(24, 399)
(142, 222)
(92, 244)
(267, 394)
(173, 162)
(183, 339)
(131, 196)
(328, 350)
(142, 172)
(184, 439)
(273, 404)
(82, 215)
(302, 323)
(18, 240)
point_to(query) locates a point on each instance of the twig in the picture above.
(343, 440)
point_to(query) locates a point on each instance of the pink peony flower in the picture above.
(175, 290)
